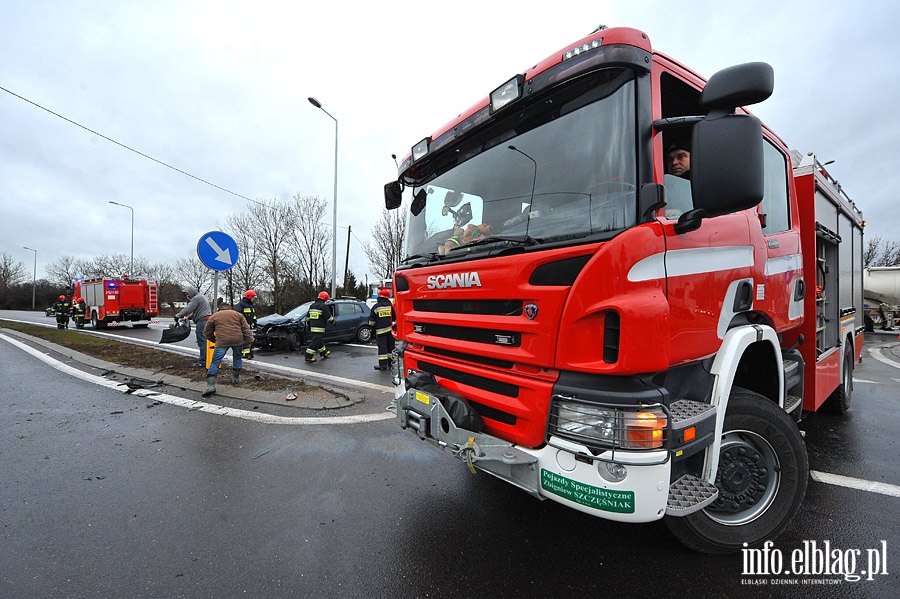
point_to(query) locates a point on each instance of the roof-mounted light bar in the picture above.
(507, 93)
(581, 49)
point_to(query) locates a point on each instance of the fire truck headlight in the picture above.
(588, 422)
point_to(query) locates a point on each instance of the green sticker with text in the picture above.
(588, 495)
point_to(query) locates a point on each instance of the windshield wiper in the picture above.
(513, 239)
(430, 256)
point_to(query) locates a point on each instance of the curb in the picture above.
(322, 398)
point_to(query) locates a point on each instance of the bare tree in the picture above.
(63, 271)
(310, 240)
(246, 272)
(12, 272)
(881, 252)
(194, 273)
(385, 250)
(270, 227)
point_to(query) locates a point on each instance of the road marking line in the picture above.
(192, 404)
(876, 353)
(855, 483)
(184, 351)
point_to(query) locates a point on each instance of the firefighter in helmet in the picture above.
(63, 309)
(245, 307)
(320, 313)
(79, 309)
(381, 318)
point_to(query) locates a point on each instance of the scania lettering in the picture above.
(636, 345)
(467, 279)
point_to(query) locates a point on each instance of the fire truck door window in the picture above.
(677, 98)
(775, 203)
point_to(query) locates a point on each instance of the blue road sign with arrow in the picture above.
(217, 250)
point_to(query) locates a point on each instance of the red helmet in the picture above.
(249, 294)
(324, 296)
(384, 293)
(78, 300)
(62, 298)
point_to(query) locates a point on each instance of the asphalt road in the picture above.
(107, 494)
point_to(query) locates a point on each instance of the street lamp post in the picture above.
(318, 105)
(33, 275)
(131, 272)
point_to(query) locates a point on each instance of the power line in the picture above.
(138, 152)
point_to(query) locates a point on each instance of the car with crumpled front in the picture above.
(291, 331)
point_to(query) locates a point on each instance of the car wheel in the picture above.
(293, 342)
(364, 334)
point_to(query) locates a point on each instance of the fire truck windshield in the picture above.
(562, 169)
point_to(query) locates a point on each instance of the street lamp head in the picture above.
(314, 102)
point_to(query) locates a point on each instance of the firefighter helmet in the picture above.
(249, 294)
(62, 298)
(324, 296)
(384, 293)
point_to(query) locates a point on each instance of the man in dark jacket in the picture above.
(381, 318)
(320, 313)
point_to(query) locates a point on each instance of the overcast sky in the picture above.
(219, 90)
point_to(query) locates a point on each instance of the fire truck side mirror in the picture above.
(727, 164)
(727, 148)
(393, 195)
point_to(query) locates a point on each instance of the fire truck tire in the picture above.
(96, 322)
(762, 478)
(839, 400)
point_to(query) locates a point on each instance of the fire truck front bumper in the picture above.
(566, 472)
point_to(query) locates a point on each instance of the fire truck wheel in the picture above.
(762, 478)
(96, 322)
(839, 400)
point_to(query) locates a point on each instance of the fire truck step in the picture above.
(689, 494)
(791, 403)
(687, 412)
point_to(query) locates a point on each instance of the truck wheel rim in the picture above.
(748, 478)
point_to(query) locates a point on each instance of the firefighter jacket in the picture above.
(382, 316)
(246, 308)
(62, 307)
(79, 309)
(320, 312)
(228, 328)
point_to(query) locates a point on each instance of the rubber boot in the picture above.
(236, 376)
(210, 385)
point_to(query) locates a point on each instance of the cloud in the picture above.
(219, 90)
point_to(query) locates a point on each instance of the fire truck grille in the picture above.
(472, 380)
(480, 307)
(492, 337)
(469, 357)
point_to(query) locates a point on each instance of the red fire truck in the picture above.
(630, 343)
(116, 301)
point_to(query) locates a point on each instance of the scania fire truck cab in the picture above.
(579, 323)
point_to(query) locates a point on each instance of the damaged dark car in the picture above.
(291, 331)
